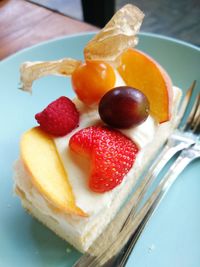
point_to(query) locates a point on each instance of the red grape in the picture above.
(124, 107)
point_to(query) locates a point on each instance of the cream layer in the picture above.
(81, 232)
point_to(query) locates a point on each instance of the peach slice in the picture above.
(143, 73)
(41, 159)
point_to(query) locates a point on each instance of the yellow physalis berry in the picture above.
(92, 79)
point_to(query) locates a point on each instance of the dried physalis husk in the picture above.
(118, 35)
(31, 71)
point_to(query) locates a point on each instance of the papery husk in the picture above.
(31, 71)
(117, 36)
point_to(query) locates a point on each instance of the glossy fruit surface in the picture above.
(91, 80)
(41, 160)
(124, 107)
(142, 72)
(59, 118)
(111, 155)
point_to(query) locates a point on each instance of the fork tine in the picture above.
(197, 127)
(186, 101)
(196, 124)
(191, 118)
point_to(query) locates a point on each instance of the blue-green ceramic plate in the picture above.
(171, 238)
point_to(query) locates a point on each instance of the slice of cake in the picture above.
(78, 167)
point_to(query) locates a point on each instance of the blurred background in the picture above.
(175, 18)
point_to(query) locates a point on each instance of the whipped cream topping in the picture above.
(78, 168)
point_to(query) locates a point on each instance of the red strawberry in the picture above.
(112, 155)
(59, 118)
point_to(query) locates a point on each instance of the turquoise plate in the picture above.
(172, 236)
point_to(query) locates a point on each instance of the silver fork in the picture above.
(143, 216)
(180, 139)
(176, 142)
(133, 226)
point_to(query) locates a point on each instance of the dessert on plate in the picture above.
(76, 169)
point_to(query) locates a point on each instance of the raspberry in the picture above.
(59, 118)
(112, 155)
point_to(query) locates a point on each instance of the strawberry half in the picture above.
(112, 155)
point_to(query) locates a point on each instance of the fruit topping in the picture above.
(117, 36)
(91, 80)
(59, 118)
(111, 153)
(142, 72)
(107, 45)
(124, 107)
(31, 71)
(41, 159)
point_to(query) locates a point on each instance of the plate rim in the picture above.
(65, 37)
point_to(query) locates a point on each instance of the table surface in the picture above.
(179, 19)
(23, 24)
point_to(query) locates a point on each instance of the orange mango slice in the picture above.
(41, 159)
(143, 73)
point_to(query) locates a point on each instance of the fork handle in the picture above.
(144, 215)
(164, 156)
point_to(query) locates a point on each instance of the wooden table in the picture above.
(24, 24)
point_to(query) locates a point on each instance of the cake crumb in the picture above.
(68, 250)
(151, 248)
